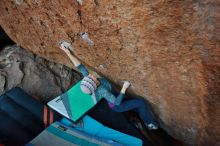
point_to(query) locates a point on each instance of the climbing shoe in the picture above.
(152, 126)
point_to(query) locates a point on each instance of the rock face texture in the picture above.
(34, 74)
(168, 50)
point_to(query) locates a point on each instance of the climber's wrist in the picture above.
(68, 53)
(123, 90)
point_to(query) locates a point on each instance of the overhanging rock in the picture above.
(168, 50)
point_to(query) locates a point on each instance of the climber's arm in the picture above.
(83, 70)
(78, 65)
(105, 93)
(75, 61)
(122, 93)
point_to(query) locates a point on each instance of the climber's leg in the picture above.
(139, 106)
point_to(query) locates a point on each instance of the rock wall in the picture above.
(34, 74)
(168, 50)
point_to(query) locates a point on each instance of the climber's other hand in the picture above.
(66, 50)
(126, 84)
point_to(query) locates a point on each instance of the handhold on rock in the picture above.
(80, 1)
(102, 66)
(85, 37)
(66, 45)
(18, 2)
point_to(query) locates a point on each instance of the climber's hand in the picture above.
(66, 50)
(125, 86)
(66, 47)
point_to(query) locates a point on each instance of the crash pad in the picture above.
(73, 104)
(59, 134)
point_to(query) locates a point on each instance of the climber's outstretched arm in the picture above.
(73, 58)
(75, 61)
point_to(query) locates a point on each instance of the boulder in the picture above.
(168, 50)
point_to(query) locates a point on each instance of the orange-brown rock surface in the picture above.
(169, 51)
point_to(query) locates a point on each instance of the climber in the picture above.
(100, 87)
